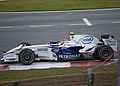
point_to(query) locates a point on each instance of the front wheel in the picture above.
(103, 52)
(27, 56)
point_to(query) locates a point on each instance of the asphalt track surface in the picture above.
(41, 27)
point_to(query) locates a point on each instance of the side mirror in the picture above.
(4, 51)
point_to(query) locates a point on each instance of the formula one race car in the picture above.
(79, 47)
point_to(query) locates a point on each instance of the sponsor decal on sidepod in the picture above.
(87, 39)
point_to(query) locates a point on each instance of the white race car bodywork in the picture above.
(79, 46)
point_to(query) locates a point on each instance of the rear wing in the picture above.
(109, 40)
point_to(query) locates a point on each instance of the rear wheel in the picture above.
(103, 52)
(27, 56)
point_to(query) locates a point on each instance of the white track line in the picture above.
(66, 11)
(86, 21)
(40, 65)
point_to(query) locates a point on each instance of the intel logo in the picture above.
(87, 40)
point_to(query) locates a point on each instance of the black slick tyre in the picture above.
(103, 52)
(27, 56)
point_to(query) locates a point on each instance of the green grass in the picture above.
(15, 75)
(28, 74)
(50, 5)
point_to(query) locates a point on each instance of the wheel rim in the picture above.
(105, 53)
(27, 57)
